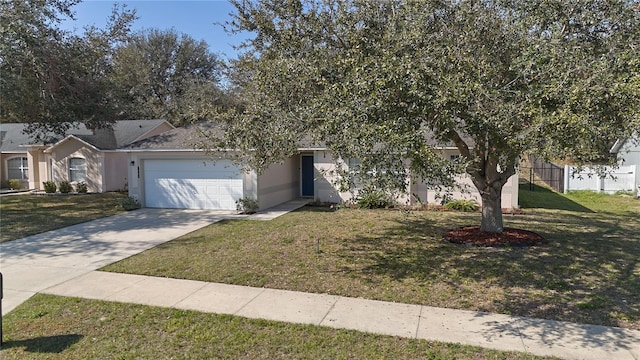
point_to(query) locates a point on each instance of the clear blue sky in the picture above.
(196, 18)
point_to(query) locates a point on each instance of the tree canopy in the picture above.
(52, 78)
(55, 79)
(387, 82)
(161, 74)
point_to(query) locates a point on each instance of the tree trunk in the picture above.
(492, 211)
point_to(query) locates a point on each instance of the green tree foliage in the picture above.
(51, 78)
(164, 75)
(385, 81)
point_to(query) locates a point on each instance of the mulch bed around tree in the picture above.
(471, 235)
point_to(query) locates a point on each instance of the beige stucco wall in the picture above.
(4, 171)
(279, 183)
(37, 162)
(115, 172)
(418, 191)
(71, 148)
(325, 177)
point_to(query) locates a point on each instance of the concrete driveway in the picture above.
(34, 263)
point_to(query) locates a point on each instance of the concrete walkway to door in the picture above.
(37, 262)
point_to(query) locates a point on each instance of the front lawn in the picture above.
(589, 272)
(47, 327)
(24, 215)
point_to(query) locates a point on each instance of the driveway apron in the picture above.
(34, 263)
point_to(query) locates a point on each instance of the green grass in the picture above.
(24, 215)
(48, 327)
(589, 272)
(577, 201)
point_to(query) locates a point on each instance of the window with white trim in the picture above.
(77, 169)
(17, 168)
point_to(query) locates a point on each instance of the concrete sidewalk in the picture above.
(502, 332)
(36, 262)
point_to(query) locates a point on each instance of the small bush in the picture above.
(65, 187)
(247, 205)
(130, 203)
(15, 184)
(49, 187)
(81, 188)
(371, 198)
(462, 205)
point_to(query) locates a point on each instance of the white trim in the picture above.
(21, 168)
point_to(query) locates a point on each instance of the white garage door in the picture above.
(192, 184)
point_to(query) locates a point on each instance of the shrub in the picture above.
(49, 187)
(372, 198)
(65, 187)
(130, 203)
(15, 184)
(247, 205)
(462, 205)
(81, 188)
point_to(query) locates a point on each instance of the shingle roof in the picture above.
(13, 138)
(187, 137)
(176, 139)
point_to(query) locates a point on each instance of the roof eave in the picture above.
(616, 146)
(67, 138)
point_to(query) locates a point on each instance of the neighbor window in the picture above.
(77, 169)
(17, 168)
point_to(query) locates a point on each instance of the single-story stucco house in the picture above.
(80, 155)
(166, 171)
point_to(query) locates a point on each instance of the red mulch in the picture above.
(471, 235)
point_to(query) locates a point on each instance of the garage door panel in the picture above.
(192, 184)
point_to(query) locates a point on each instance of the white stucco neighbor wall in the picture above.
(629, 154)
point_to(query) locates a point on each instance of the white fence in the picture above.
(602, 179)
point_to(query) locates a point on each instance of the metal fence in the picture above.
(566, 178)
(544, 173)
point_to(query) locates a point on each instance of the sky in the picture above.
(195, 18)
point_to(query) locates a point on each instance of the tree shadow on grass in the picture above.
(535, 196)
(46, 344)
(585, 274)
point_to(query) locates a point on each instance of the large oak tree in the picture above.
(385, 81)
(161, 74)
(52, 78)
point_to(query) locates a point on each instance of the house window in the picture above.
(455, 157)
(77, 169)
(17, 168)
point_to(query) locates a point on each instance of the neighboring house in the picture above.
(627, 152)
(167, 171)
(81, 155)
